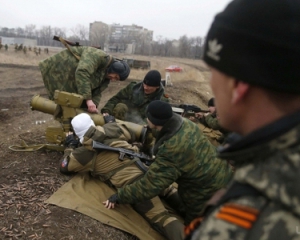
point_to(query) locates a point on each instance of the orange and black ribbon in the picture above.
(239, 215)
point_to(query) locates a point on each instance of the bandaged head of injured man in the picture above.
(81, 123)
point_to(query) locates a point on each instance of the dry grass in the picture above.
(190, 66)
(28, 178)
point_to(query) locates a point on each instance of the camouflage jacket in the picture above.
(104, 165)
(86, 76)
(212, 122)
(268, 160)
(183, 155)
(134, 97)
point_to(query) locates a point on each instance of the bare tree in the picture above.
(82, 33)
(61, 32)
(157, 46)
(30, 31)
(142, 43)
(11, 32)
(198, 47)
(98, 34)
(4, 31)
(20, 32)
(184, 46)
(46, 35)
(167, 46)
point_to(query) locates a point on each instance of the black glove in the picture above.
(71, 141)
(113, 198)
(109, 119)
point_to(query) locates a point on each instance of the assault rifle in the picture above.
(63, 41)
(67, 41)
(192, 108)
(184, 109)
(124, 152)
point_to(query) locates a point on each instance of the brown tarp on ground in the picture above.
(85, 194)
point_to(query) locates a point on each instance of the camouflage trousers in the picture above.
(160, 218)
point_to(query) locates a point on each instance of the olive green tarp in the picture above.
(85, 194)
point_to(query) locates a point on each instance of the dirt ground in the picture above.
(29, 178)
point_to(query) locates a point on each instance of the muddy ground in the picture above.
(29, 178)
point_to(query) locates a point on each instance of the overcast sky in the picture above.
(167, 18)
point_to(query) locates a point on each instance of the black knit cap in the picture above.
(121, 68)
(211, 102)
(258, 42)
(159, 112)
(152, 78)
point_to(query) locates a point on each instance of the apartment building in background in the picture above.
(119, 38)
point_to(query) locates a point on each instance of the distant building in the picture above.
(99, 34)
(24, 41)
(7, 40)
(119, 38)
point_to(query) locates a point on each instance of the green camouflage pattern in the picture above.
(273, 168)
(136, 100)
(102, 164)
(185, 156)
(212, 122)
(214, 136)
(120, 111)
(86, 76)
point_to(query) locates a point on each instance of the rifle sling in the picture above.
(110, 58)
(68, 47)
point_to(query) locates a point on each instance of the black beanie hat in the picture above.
(258, 42)
(121, 68)
(152, 78)
(159, 112)
(211, 102)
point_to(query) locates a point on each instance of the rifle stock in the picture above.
(60, 39)
(67, 41)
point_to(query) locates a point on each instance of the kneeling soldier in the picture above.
(80, 156)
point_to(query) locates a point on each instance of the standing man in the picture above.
(130, 103)
(83, 70)
(253, 52)
(106, 165)
(183, 155)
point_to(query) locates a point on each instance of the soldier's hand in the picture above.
(198, 115)
(111, 202)
(71, 141)
(108, 118)
(92, 108)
